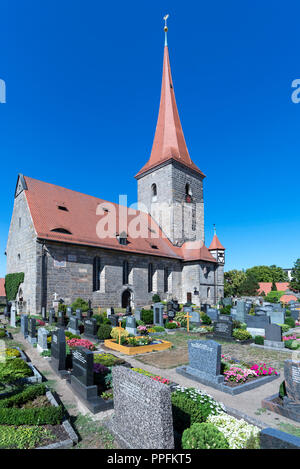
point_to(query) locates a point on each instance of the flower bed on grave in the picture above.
(30, 419)
(103, 364)
(132, 345)
(200, 422)
(237, 373)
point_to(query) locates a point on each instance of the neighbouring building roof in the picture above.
(2, 287)
(169, 142)
(267, 286)
(287, 298)
(67, 216)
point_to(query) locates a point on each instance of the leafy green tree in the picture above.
(295, 282)
(249, 286)
(263, 273)
(273, 288)
(232, 282)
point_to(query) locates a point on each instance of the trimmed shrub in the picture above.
(158, 329)
(30, 393)
(147, 316)
(170, 325)
(104, 331)
(290, 321)
(241, 334)
(41, 416)
(156, 298)
(205, 319)
(203, 436)
(115, 333)
(259, 340)
(79, 303)
(2, 333)
(12, 370)
(225, 310)
(284, 327)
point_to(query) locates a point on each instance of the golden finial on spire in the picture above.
(166, 29)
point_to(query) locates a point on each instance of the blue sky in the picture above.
(83, 83)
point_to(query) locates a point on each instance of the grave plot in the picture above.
(287, 401)
(207, 366)
(150, 415)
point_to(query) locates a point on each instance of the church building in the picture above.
(59, 238)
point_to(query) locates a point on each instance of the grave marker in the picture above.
(158, 312)
(42, 344)
(142, 411)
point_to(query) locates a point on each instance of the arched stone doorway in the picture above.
(126, 298)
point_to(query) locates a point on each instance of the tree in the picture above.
(295, 282)
(273, 288)
(250, 285)
(232, 282)
(263, 273)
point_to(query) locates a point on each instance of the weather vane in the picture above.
(166, 29)
(215, 231)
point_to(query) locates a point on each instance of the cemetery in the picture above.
(175, 416)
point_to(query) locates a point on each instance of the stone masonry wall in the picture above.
(21, 250)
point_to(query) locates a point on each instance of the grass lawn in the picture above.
(178, 355)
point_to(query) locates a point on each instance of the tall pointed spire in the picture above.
(169, 142)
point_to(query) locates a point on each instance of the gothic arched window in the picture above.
(150, 278)
(125, 272)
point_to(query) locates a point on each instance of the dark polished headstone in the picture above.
(223, 327)
(90, 328)
(58, 350)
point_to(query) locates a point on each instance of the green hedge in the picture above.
(12, 283)
(147, 316)
(104, 331)
(203, 436)
(29, 393)
(12, 370)
(41, 416)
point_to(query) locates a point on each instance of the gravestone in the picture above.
(114, 320)
(138, 314)
(142, 416)
(42, 344)
(51, 315)
(90, 311)
(212, 313)
(248, 307)
(223, 327)
(32, 331)
(240, 311)
(60, 319)
(171, 314)
(277, 317)
(158, 312)
(227, 301)
(204, 308)
(69, 311)
(79, 314)
(256, 325)
(204, 362)
(82, 380)
(273, 337)
(131, 325)
(292, 385)
(13, 313)
(128, 310)
(58, 351)
(91, 328)
(24, 324)
(73, 326)
(44, 314)
(233, 312)
(108, 312)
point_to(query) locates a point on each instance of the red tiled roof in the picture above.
(215, 244)
(81, 220)
(267, 286)
(287, 298)
(2, 287)
(169, 142)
